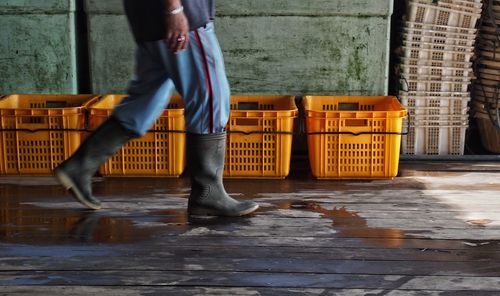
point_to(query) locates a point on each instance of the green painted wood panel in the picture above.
(111, 48)
(36, 6)
(274, 7)
(301, 7)
(286, 47)
(38, 51)
(301, 55)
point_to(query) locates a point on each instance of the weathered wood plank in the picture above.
(388, 199)
(210, 291)
(129, 207)
(249, 279)
(322, 245)
(276, 264)
(381, 252)
(307, 243)
(267, 219)
(169, 209)
(485, 196)
(305, 231)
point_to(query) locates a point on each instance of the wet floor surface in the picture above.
(434, 230)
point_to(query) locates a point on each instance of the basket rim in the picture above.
(88, 99)
(101, 100)
(291, 111)
(397, 109)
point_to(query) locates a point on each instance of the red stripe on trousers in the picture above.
(208, 81)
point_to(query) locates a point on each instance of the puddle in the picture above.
(46, 215)
(24, 223)
(27, 224)
(183, 221)
(348, 223)
(172, 216)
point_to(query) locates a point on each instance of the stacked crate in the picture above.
(353, 137)
(486, 94)
(435, 73)
(38, 132)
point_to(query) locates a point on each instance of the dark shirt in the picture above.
(147, 17)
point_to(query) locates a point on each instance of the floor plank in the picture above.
(249, 279)
(222, 291)
(293, 263)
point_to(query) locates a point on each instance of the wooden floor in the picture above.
(435, 230)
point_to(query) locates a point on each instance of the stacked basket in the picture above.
(486, 103)
(38, 132)
(436, 70)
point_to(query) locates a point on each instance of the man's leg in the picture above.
(199, 76)
(75, 173)
(149, 93)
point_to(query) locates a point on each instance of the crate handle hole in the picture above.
(348, 106)
(57, 104)
(247, 121)
(356, 122)
(248, 106)
(33, 119)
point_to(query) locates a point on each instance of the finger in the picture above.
(172, 40)
(177, 45)
(181, 43)
(185, 43)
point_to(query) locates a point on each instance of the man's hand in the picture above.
(176, 30)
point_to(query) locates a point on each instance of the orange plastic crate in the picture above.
(160, 152)
(40, 131)
(354, 137)
(259, 139)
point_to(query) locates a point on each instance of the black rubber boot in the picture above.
(205, 156)
(75, 173)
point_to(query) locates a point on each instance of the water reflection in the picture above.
(28, 224)
(184, 222)
(349, 223)
(23, 223)
(173, 216)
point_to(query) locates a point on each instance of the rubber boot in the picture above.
(75, 173)
(205, 156)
